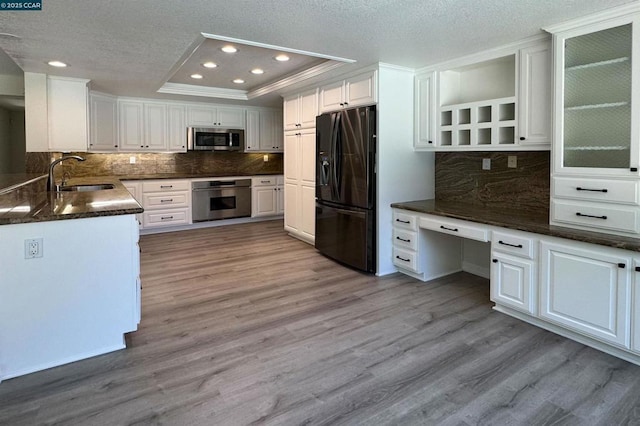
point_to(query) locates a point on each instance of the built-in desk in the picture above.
(582, 285)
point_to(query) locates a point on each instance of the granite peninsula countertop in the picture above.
(31, 202)
(515, 219)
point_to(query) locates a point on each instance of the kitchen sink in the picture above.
(84, 188)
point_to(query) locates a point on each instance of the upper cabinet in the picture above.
(68, 100)
(103, 123)
(351, 92)
(596, 126)
(205, 116)
(300, 110)
(151, 126)
(264, 131)
(500, 100)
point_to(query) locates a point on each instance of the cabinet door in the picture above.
(290, 109)
(278, 131)
(308, 211)
(177, 133)
(425, 110)
(232, 118)
(280, 199)
(360, 90)
(201, 116)
(291, 207)
(265, 201)
(332, 96)
(635, 309)
(308, 157)
(308, 109)
(155, 127)
(513, 283)
(291, 157)
(267, 135)
(534, 118)
(67, 103)
(252, 133)
(130, 120)
(586, 290)
(103, 128)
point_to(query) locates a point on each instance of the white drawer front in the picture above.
(609, 190)
(157, 218)
(405, 239)
(264, 181)
(617, 218)
(512, 244)
(165, 185)
(461, 229)
(406, 259)
(169, 199)
(404, 220)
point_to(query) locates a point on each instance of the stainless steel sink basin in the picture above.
(83, 188)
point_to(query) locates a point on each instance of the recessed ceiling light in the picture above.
(229, 49)
(282, 58)
(257, 71)
(57, 64)
(238, 81)
(196, 76)
(209, 65)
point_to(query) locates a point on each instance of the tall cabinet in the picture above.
(596, 135)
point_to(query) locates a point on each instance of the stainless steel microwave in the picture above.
(213, 139)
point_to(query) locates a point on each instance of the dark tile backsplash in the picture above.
(189, 163)
(459, 177)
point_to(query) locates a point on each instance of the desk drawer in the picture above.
(406, 259)
(512, 244)
(405, 239)
(169, 199)
(404, 220)
(166, 185)
(603, 216)
(169, 217)
(462, 229)
(606, 190)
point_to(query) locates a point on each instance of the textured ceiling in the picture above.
(132, 47)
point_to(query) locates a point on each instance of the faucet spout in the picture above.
(51, 184)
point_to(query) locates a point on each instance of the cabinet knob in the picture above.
(115, 146)
(346, 103)
(522, 138)
(637, 268)
(634, 169)
(622, 265)
(495, 260)
(430, 141)
(341, 103)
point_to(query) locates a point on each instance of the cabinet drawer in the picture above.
(603, 216)
(405, 239)
(165, 185)
(264, 181)
(512, 244)
(462, 229)
(165, 217)
(609, 190)
(169, 199)
(404, 220)
(406, 259)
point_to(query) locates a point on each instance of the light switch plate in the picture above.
(486, 164)
(512, 161)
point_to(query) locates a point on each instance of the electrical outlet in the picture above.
(512, 161)
(33, 248)
(265, 158)
(132, 159)
(486, 164)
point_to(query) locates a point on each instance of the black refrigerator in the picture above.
(346, 186)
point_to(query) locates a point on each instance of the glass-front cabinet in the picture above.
(596, 105)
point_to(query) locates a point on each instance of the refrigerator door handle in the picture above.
(335, 137)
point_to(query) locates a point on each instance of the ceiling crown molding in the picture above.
(204, 91)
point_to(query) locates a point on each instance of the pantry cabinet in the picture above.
(299, 180)
(300, 110)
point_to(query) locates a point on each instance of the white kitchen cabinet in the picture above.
(425, 110)
(300, 110)
(348, 93)
(266, 196)
(205, 116)
(130, 125)
(635, 307)
(586, 289)
(68, 115)
(155, 127)
(535, 95)
(264, 131)
(299, 178)
(177, 128)
(166, 203)
(280, 201)
(104, 123)
(135, 189)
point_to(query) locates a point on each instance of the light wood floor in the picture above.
(244, 325)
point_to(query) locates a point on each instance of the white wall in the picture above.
(5, 141)
(403, 175)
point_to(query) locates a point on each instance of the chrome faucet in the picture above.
(51, 183)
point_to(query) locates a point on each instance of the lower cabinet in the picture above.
(267, 196)
(512, 282)
(635, 308)
(166, 203)
(587, 290)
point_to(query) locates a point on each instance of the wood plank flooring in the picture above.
(244, 325)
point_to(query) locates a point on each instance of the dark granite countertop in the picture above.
(515, 219)
(9, 181)
(31, 202)
(189, 175)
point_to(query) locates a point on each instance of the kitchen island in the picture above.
(69, 287)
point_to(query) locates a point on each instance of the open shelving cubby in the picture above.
(478, 104)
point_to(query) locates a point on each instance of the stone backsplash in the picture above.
(189, 163)
(459, 177)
